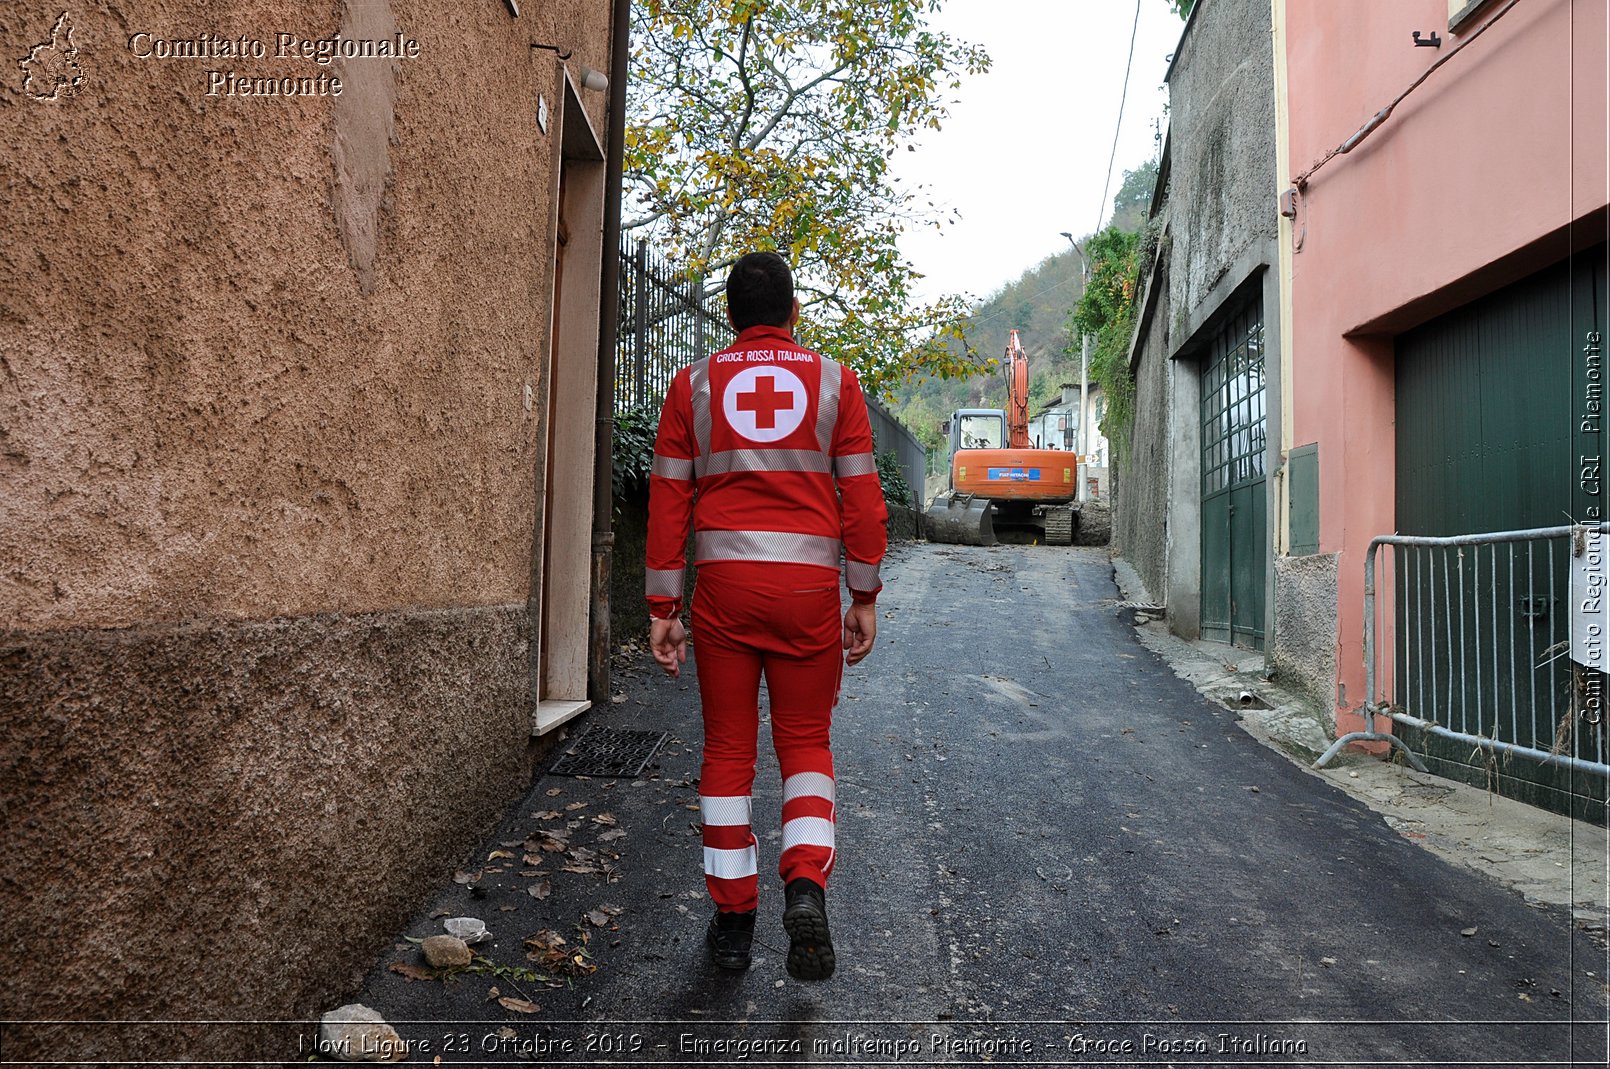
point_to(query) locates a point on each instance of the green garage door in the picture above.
(1488, 432)
(1234, 508)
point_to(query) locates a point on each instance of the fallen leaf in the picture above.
(582, 868)
(546, 939)
(547, 814)
(519, 1005)
(612, 910)
(603, 818)
(465, 877)
(573, 806)
(540, 891)
(529, 873)
(511, 843)
(492, 993)
(612, 834)
(597, 918)
(531, 859)
(441, 913)
(411, 971)
(494, 855)
(507, 909)
(553, 792)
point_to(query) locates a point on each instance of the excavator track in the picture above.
(1059, 525)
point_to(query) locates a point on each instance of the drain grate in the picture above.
(608, 752)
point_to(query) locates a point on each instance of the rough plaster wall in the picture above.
(1304, 648)
(1222, 144)
(1140, 508)
(205, 412)
(227, 822)
(267, 490)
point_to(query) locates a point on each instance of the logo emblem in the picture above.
(52, 66)
(764, 404)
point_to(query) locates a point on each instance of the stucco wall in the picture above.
(1427, 213)
(1222, 176)
(1140, 514)
(1304, 648)
(268, 492)
(1217, 235)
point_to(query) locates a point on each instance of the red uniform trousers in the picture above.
(783, 621)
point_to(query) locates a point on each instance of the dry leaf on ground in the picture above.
(412, 972)
(519, 1005)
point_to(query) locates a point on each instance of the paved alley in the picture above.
(1052, 850)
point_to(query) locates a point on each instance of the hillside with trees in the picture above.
(1040, 304)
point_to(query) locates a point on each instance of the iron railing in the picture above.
(1473, 643)
(666, 323)
(890, 435)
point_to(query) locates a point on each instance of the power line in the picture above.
(1101, 209)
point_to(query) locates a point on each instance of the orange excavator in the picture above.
(997, 478)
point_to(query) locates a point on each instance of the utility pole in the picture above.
(1083, 489)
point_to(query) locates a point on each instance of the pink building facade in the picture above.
(1487, 176)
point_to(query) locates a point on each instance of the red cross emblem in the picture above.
(764, 404)
(764, 401)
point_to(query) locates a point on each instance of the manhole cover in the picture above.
(607, 752)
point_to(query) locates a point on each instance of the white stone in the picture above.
(355, 1033)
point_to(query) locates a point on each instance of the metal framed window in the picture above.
(1233, 423)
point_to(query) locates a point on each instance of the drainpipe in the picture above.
(599, 645)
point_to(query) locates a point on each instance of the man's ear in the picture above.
(793, 316)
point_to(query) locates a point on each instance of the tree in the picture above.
(1182, 8)
(770, 124)
(1134, 198)
(1107, 311)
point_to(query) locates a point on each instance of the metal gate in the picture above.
(1234, 505)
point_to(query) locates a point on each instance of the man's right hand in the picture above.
(668, 641)
(860, 631)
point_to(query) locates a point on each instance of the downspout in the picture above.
(598, 682)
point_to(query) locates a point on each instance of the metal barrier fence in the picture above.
(1472, 642)
(890, 434)
(665, 324)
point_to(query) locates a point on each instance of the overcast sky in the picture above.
(1024, 153)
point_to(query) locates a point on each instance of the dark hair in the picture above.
(760, 290)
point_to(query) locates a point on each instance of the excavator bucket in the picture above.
(961, 520)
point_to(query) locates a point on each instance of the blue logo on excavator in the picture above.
(1015, 474)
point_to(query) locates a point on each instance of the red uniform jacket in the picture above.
(765, 447)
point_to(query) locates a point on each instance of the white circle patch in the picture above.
(764, 404)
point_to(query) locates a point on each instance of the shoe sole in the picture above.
(810, 951)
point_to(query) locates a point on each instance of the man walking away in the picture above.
(766, 450)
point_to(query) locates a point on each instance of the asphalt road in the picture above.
(1051, 851)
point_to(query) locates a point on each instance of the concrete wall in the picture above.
(273, 430)
(1303, 651)
(1426, 214)
(1217, 238)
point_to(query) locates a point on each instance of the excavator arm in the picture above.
(1017, 393)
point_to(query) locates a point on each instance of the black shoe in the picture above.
(810, 951)
(729, 936)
